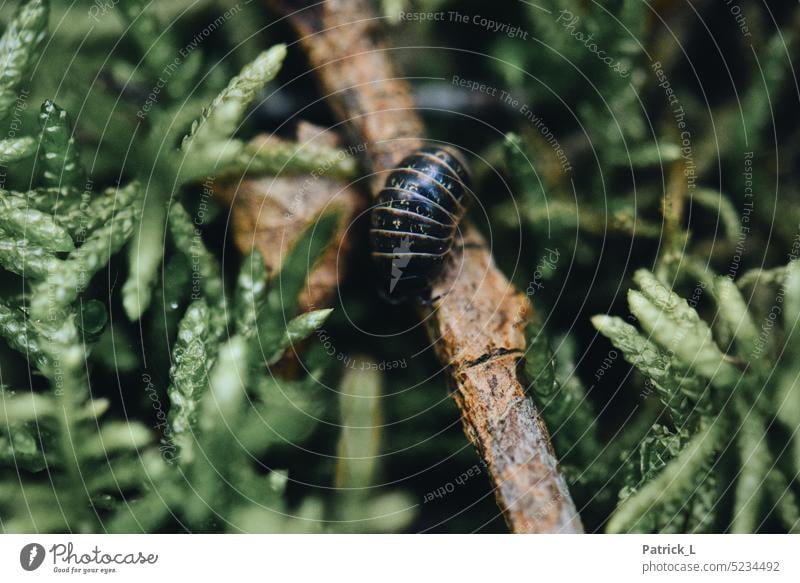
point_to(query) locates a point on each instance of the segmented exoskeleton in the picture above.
(416, 218)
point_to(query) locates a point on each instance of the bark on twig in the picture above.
(342, 41)
(477, 324)
(478, 330)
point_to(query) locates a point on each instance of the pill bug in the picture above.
(416, 218)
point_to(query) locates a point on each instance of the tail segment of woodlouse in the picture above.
(415, 220)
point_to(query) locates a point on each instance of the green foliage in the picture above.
(291, 158)
(124, 298)
(220, 397)
(678, 329)
(251, 289)
(58, 235)
(20, 48)
(209, 144)
(358, 451)
(560, 393)
(155, 45)
(60, 156)
(609, 110)
(281, 302)
(673, 481)
(16, 331)
(189, 372)
(15, 149)
(17, 256)
(145, 256)
(38, 228)
(62, 286)
(674, 384)
(186, 237)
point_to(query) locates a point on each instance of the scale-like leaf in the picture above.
(20, 48)
(209, 144)
(192, 358)
(59, 151)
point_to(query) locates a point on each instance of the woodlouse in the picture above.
(416, 218)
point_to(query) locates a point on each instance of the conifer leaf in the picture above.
(775, 70)
(20, 48)
(24, 407)
(63, 285)
(281, 303)
(656, 449)
(540, 363)
(220, 421)
(522, 167)
(360, 420)
(652, 362)
(704, 503)
(15, 149)
(648, 155)
(786, 503)
(38, 228)
(187, 239)
(153, 40)
(251, 288)
(20, 335)
(303, 326)
(144, 514)
(117, 436)
(676, 478)
(791, 314)
(721, 204)
(92, 213)
(678, 329)
(19, 256)
(192, 358)
(734, 312)
(19, 448)
(562, 399)
(289, 158)
(287, 286)
(144, 257)
(287, 412)
(755, 464)
(60, 155)
(208, 143)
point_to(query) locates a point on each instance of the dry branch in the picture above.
(477, 324)
(341, 39)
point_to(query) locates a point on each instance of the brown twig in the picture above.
(478, 320)
(341, 39)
